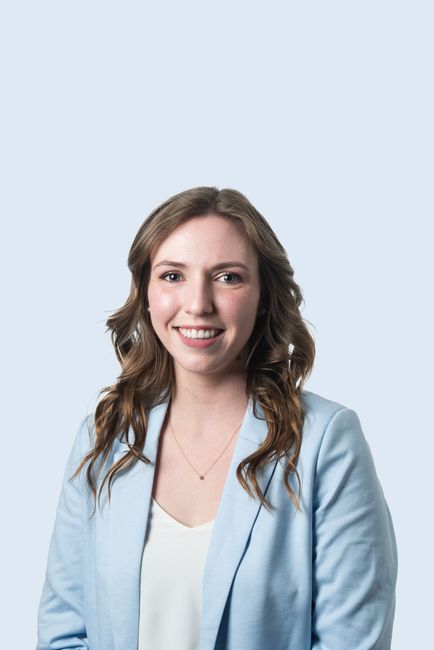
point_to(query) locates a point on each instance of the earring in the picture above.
(149, 309)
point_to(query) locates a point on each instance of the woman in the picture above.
(211, 501)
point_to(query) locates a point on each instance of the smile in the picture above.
(198, 338)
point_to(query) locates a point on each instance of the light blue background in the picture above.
(321, 113)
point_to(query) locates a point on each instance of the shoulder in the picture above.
(330, 424)
(86, 433)
(84, 440)
(319, 410)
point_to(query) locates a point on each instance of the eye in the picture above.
(170, 273)
(175, 273)
(232, 275)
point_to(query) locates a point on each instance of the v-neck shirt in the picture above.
(171, 581)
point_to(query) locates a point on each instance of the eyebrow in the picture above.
(221, 265)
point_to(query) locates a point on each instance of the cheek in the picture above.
(243, 311)
(160, 299)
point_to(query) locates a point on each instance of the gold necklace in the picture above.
(202, 476)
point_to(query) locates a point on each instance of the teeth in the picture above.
(199, 334)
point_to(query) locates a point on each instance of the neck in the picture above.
(205, 410)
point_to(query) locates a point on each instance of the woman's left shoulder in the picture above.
(327, 419)
(319, 404)
(320, 409)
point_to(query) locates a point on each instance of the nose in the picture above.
(198, 297)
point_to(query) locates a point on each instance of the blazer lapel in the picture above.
(128, 518)
(235, 518)
(127, 525)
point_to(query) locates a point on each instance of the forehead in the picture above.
(206, 240)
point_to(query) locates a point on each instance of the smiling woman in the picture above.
(211, 501)
(209, 293)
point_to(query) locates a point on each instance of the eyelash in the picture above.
(227, 273)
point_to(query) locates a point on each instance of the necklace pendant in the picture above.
(201, 477)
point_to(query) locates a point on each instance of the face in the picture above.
(205, 273)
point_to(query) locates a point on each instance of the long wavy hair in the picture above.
(281, 350)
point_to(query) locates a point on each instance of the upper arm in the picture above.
(61, 618)
(354, 547)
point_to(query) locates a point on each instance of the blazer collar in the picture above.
(128, 518)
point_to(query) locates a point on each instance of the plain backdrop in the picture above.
(321, 114)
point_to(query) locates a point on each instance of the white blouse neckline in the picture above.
(177, 523)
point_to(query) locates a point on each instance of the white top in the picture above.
(171, 582)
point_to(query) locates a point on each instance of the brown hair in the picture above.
(281, 349)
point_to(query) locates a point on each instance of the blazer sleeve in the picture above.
(354, 548)
(61, 622)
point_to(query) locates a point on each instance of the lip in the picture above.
(198, 327)
(199, 343)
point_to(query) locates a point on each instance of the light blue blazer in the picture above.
(323, 579)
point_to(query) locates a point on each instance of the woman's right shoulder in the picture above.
(84, 440)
